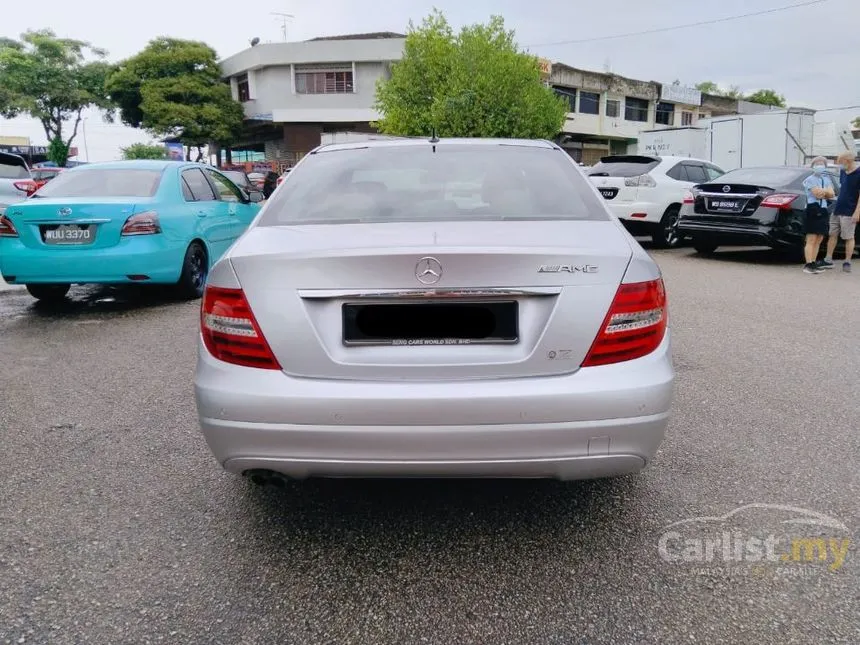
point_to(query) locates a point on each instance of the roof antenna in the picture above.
(433, 138)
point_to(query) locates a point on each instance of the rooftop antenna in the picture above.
(433, 138)
(283, 17)
(255, 41)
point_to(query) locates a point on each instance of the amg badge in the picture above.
(567, 268)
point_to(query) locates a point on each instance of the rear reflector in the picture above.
(230, 331)
(7, 228)
(639, 215)
(634, 327)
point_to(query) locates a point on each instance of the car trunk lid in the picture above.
(424, 300)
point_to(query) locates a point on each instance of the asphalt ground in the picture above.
(117, 526)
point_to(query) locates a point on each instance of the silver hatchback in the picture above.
(463, 308)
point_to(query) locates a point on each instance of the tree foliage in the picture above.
(52, 80)
(763, 97)
(174, 88)
(767, 97)
(144, 151)
(473, 84)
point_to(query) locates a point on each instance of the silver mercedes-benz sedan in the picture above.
(454, 308)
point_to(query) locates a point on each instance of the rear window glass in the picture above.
(413, 183)
(772, 177)
(623, 167)
(12, 169)
(103, 183)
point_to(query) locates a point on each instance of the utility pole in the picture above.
(283, 18)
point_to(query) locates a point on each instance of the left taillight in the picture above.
(635, 325)
(230, 331)
(142, 224)
(27, 186)
(779, 201)
(7, 228)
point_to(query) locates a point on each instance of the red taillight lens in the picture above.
(142, 224)
(7, 228)
(780, 201)
(28, 186)
(230, 331)
(689, 198)
(634, 327)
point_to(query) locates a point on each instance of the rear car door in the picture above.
(234, 202)
(214, 224)
(13, 170)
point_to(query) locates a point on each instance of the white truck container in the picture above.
(674, 142)
(776, 138)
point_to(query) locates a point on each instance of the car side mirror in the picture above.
(255, 197)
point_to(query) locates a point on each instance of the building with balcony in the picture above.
(293, 92)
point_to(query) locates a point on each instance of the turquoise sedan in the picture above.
(144, 222)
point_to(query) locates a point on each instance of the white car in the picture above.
(646, 192)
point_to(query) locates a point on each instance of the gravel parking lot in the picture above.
(117, 526)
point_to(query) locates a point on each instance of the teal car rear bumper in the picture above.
(139, 259)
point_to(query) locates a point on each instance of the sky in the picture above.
(809, 54)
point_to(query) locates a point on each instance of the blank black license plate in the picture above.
(68, 234)
(437, 323)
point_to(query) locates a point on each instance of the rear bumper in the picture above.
(652, 212)
(152, 256)
(739, 235)
(598, 422)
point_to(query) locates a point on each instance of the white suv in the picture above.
(646, 192)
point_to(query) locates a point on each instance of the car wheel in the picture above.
(705, 247)
(48, 292)
(666, 236)
(195, 270)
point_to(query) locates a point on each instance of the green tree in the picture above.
(477, 83)
(174, 88)
(857, 123)
(52, 80)
(144, 151)
(767, 97)
(709, 87)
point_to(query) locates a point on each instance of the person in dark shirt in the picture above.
(846, 213)
(269, 184)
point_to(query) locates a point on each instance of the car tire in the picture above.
(666, 235)
(195, 270)
(705, 246)
(50, 293)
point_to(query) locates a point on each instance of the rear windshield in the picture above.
(623, 166)
(11, 168)
(103, 183)
(414, 183)
(771, 177)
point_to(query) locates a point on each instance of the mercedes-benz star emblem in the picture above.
(727, 189)
(428, 270)
(64, 212)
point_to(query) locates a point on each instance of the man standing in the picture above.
(843, 222)
(819, 192)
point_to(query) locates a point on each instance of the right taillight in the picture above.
(634, 327)
(7, 228)
(230, 331)
(689, 198)
(779, 201)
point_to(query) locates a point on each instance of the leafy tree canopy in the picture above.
(174, 88)
(52, 80)
(144, 151)
(764, 97)
(473, 84)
